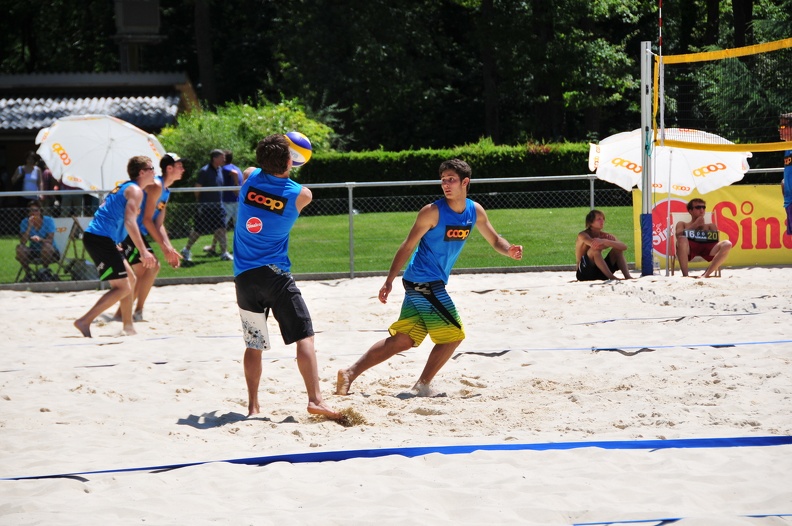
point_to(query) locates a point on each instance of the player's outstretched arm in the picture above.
(498, 242)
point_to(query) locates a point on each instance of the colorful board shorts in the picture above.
(427, 309)
(266, 288)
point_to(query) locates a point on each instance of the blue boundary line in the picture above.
(488, 351)
(671, 520)
(411, 452)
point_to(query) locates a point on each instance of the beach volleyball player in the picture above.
(440, 231)
(269, 204)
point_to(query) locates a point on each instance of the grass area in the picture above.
(321, 243)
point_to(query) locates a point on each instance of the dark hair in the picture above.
(693, 202)
(136, 164)
(272, 154)
(459, 166)
(35, 202)
(229, 155)
(592, 215)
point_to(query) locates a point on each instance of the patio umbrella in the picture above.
(679, 171)
(91, 151)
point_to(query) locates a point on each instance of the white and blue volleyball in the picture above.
(299, 148)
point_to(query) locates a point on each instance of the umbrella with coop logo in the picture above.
(91, 152)
(674, 171)
(678, 171)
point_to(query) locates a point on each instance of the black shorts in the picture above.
(589, 271)
(268, 288)
(131, 253)
(210, 217)
(105, 254)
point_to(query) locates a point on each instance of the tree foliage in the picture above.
(239, 128)
(401, 74)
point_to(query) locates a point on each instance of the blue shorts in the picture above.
(789, 220)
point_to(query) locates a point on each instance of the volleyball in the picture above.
(299, 148)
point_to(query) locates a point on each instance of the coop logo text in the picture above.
(266, 201)
(457, 233)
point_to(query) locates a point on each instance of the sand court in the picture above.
(547, 361)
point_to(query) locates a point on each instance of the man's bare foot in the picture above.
(322, 409)
(129, 330)
(343, 382)
(84, 328)
(425, 390)
(253, 410)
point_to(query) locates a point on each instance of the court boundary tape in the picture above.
(671, 520)
(487, 352)
(418, 451)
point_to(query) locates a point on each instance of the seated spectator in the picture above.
(698, 238)
(593, 263)
(36, 235)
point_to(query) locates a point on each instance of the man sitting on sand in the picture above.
(699, 238)
(592, 263)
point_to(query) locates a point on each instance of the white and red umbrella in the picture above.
(678, 171)
(92, 151)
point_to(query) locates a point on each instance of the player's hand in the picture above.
(173, 257)
(148, 259)
(384, 292)
(515, 252)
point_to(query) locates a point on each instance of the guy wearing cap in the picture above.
(152, 222)
(210, 218)
(785, 131)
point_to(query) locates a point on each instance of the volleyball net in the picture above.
(733, 97)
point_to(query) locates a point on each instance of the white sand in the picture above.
(526, 375)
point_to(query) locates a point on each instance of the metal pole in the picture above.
(351, 232)
(646, 140)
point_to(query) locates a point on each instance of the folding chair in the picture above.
(30, 274)
(698, 261)
(60, 240)
(74, 228)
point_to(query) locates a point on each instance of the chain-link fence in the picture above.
(349, 229)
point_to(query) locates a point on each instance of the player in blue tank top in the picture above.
(116, 217)
(439, 232)
(151, 222)
(785, 130)
(269, 204)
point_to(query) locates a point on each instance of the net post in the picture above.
(647, 268)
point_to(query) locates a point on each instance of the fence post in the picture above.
(351, 230)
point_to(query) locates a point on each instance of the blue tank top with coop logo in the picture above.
(267, 212)
(439, 248)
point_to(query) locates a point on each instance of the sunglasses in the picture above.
(700, 207)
